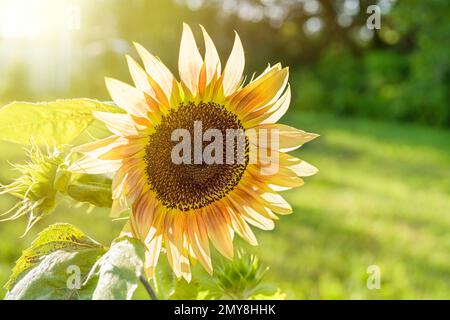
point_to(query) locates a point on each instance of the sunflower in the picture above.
(182, 207)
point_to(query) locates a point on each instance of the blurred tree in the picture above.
(400, 71)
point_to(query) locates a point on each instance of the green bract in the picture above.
(44, 178)
(35, 187)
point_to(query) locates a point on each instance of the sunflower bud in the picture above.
(40, 179)
(240, 278)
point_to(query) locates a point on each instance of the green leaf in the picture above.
(168, 287)
(190, 291)
(63, 263)
(275, 294)
(116, 274)
(164, 281)
(43, 270)
(58, 122)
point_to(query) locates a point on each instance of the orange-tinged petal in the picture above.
(289, 138)
(218, 231)
(198, 238)
(212, 60)
(129, 180)
(232, 73)
(157, 227)
(157, 70)
(250, 215)
(153, 251)
(185, 249)
(265, 90)
(190, 61)
(143, 215)
(283, 179)
(270, 113)
(99, 147)
(202, 82)
(279, 108)
(240, 225)
(257, 202)
(173, 243)
(139, 76)
(155, 97)
(125, 148)
(276, 203)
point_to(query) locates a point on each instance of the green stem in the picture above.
(148, 287)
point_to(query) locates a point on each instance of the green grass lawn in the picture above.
(382, 197)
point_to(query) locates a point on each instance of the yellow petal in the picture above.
(283, 179)
(257, 203)
(270, 113)
(157, 70)
(276, 203)
(232, 74)
(129, 181)
(120, 124)
(264, 90)
(155, 96)
(198, 239)
(202, 82)
(118, 206)
(289, 138)
(184, 259)
(212, 60)
(96, 148)
(280, 183)
(190, 61)
(139, 76)
(279, 108)
(127, 97)
(125, 148)
(95, 166)
(173, 243)
(253, 217)
(152, 254)
(143, 215)
(157, 226)
(240, 226)
(304, 169)
(218, 231)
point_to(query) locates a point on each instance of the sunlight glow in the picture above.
(17, 19)
(31, 18)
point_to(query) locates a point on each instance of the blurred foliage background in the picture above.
(379, 98)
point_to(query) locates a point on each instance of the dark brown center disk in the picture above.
(189, 186)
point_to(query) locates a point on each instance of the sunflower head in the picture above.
(40, 180)
(189, 156)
